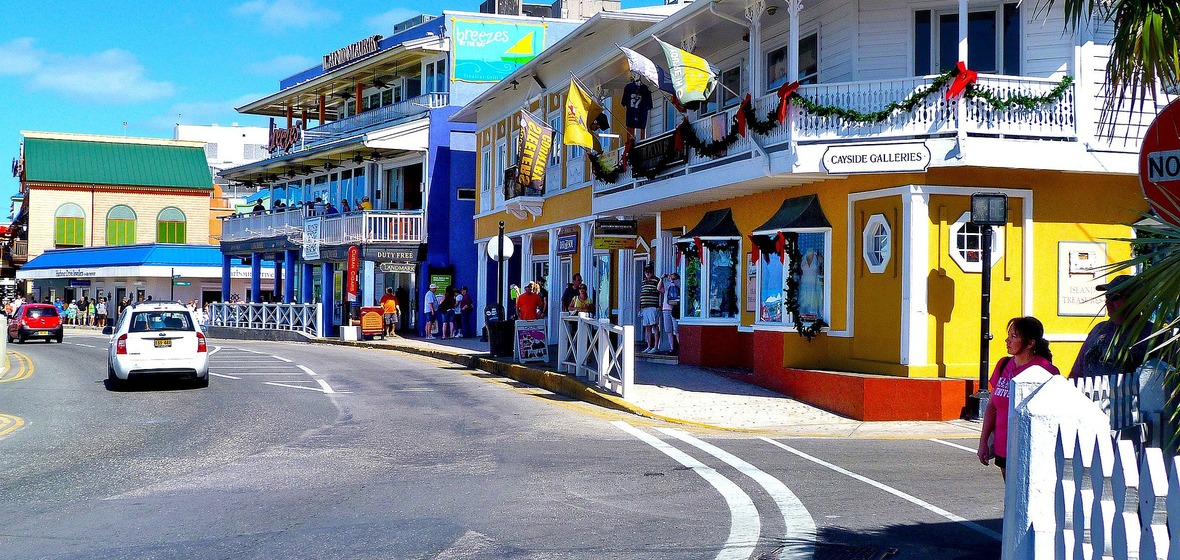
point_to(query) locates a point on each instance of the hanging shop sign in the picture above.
(394, 253)
(79, 283)
(614, 242)
(532, 159)
(613, 235)
(359, 49)
(567, 244)
(397, 268)
(656, 154)
(354, 272)
(284, 139)
(311, 239)
(1079, 272)
(877, 158)
(1159, 164)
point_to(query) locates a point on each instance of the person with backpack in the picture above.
(446, 309)
(670, 307)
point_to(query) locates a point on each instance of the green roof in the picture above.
(51, 160)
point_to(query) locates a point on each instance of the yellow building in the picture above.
(850, 217)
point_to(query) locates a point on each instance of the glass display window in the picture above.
(710, 278)
(810, 277)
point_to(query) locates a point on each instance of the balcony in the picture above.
(520, 201)
(20, 252)
(387, 114)
(280, 223)
(376, 226)
(933, 117)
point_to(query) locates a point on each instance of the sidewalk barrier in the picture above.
(599, 351)
(302, 317)
(1075, 489)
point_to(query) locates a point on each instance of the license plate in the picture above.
(163, 342)
(42, 333)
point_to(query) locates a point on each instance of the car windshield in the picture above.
(145, 321)
(40, 312)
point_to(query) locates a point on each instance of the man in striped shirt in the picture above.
(649, 309)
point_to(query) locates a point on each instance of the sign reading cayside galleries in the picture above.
(487, 51)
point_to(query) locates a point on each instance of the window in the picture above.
(211, 150)
(434, 76)
(501, 165)
(146, 321)
(375, 100)
(69, 226)
(254, 151)
(812, 281)
(670, 115)
(967, 244)
(710, 275)
(170, 225)
(993, 40)
(121, 226)
(778, 63)
(486, 172)
(731, 84)
(554, 152)
(876, 243)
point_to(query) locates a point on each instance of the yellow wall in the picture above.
(558, 208)
(877, 296)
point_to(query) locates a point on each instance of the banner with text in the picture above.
(487, 51)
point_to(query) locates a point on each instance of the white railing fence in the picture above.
(599, 351)
(302, 317)
(271, 223)
(373, 226)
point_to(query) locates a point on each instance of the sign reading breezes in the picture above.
(487, 51)
(1159, 164)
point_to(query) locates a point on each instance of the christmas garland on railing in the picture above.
(792, 292)
(600, 171)
(1020, 100)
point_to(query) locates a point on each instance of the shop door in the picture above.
(404, 286)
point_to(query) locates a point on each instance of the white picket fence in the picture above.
(599, 351)
(302, 317)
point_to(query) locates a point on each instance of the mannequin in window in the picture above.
(810, 289)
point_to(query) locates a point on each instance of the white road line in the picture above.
(223, 375)
(306, 369)
(293, 386)
(914, 500)
(86, 345)
(800, 525)
(745, 526)
(215, 350)
(259, 373)
(282, 358)
(955, 445)
(327, 390)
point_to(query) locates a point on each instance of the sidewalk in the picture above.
(679, 394)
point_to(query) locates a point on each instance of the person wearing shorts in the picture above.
(390, 312)
(649, 309)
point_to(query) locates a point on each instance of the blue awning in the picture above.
(154, 260)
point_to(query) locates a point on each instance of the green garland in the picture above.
(1023, 101)
(600, 171)
(794, 272)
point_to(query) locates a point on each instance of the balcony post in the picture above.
(961, 108)
(289, 258)
(256, 277)
(322, 107)
(754, 14)
(793, 8)
(226, 274)
(526, 260)
(555, 288)
(279, 292)
(305, 283)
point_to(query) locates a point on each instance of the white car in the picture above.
(160, 339)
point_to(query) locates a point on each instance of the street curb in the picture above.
(551, 381)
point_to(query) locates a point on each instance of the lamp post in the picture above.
(987, 210)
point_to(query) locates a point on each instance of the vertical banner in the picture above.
(354, 265)
(536, 141)
(311, 239)
(487, 51)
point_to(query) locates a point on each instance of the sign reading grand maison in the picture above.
(340, 57)
(877, 158)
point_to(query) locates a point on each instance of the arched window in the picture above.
(121, 226)
(170, 226)
(69, 226)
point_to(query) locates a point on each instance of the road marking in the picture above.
(215, 350)
(223, 375)
(258, 373)
(800, 536)
(306, 369)
(283, 359)
(955, 445)
(913, 500)
(745, 526)
(86, 345)
(293, 386)
(26, 367)
(10, 423)
(327, 390)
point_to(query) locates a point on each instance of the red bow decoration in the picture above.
(676, 103)
(780, 247)
(678, 252)
(963, 78)
(785, 92)
(697, 241)
(741, 115)
(678, 137)
(626, 152)
(755, 253)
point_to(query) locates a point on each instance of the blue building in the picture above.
(363, 159)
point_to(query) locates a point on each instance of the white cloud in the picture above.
(280, 15)
(383, 23)
(281, 66)
(112, 76)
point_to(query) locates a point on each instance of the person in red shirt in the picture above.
(528, 304)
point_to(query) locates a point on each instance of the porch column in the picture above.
(327, 298)
(290, 115)
(481, 284)
(628, 292)
(586, 252)
(322, 108)
(754, 14)
(308, 278)
(279, 292)
(226, 274)
(289, 276)
(793, 8)
(255, 277)
(526, 260)
(555, 289)
(960, 107)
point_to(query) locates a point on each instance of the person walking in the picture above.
(528, 304)
(1026, 347)
(390, 312)
(649, 309)
(430, 310)
(446, 309)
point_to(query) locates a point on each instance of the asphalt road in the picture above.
(314, 451)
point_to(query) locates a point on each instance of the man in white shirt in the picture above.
(430, 308)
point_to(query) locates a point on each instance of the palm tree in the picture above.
(1144, 50)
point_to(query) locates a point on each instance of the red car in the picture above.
(35, 320)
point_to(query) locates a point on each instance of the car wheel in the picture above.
(202, 382)
(59, 337)
(113, 381)
(20, 338)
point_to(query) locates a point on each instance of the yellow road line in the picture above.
(26, 367)
(9, 424)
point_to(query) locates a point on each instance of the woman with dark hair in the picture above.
(1027, 347)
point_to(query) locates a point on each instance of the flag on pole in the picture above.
(643, 67)
(692, 76)
(536, 140)
(580, 110)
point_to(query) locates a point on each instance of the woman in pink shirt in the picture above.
(1027, 345)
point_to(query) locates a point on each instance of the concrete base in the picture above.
(233, 333)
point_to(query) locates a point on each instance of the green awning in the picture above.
(107, 161)
(801, 212)
(715, 223)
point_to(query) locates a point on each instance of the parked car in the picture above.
(157, 339)
(35, 320)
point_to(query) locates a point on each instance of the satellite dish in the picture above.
(494, 249)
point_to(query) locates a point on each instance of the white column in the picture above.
(526, 260)
(555, 288)
(961, 108)
(962, 32)
(915, 267)
(793, 8)
(627, 289)
(754, 14)
(586, 251)
(481, 284)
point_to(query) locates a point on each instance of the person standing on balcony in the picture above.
(430, 310)
(1027, 347)
(649, 309)
(365, 204)
(344, 206)
(1097, 356)
(330, 210)
(319, 207)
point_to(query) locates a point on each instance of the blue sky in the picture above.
(70, 66)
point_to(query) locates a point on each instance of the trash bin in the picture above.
(500, 338)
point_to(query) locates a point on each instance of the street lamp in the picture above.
(987, 210)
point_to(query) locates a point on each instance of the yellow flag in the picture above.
(580, 110)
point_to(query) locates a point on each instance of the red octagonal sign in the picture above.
(1159, 164)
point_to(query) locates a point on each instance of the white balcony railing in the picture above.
(371, 118)
(261, 225)
(378, 226)
(303, 317)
